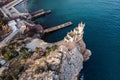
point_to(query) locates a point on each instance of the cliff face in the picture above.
(72, 63)
(62, 61)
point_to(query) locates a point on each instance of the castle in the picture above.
(75, 35)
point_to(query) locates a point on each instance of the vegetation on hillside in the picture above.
(49, 49)
(15, 54)
(4, 29)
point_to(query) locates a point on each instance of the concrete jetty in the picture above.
(39, 13)
(58, 27)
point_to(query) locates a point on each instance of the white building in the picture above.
(13, 25)
(2, 62)
(76, 34)
(15, 29)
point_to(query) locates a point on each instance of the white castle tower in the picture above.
(76, 34)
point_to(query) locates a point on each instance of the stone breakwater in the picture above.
(64, 61)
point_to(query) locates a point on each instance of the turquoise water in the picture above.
(102, 31)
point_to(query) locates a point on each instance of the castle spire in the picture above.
(81, 24)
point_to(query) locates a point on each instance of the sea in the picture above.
(101, 33)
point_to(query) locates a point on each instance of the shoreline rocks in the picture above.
(63, 62)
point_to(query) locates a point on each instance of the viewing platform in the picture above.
(58, 27)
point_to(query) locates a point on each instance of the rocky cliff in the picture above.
(61, 61)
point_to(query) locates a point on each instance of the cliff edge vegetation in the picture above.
(39, 60)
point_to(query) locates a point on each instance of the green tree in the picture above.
(25, 53)
(10, 54)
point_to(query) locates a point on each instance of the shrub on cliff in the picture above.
(49, 49)
(25, 53)
(10, 54)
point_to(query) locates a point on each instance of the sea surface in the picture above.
(102, 31)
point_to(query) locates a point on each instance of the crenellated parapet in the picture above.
(75, 35)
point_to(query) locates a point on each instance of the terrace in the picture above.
(15, 8)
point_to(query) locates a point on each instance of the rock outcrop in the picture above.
(72, 63)
(62, 62)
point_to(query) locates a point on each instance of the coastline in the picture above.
(41, 60)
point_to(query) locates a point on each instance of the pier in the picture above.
(39, 13)
(58, 27)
